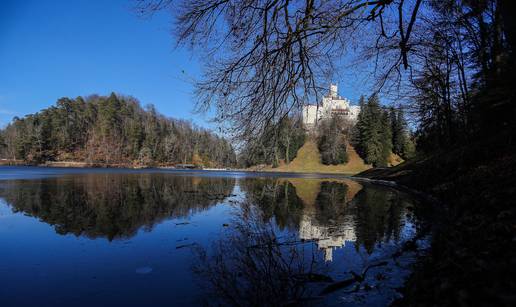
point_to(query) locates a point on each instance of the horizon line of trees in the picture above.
(111, 129)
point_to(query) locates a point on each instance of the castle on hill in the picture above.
(331, 104)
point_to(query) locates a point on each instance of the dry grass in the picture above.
(394, 160)
(308, 160)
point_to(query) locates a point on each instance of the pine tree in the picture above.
(361, 127)
(399, 131)
(373, 132)
(109, 116)
(385, 139)
(409, 148)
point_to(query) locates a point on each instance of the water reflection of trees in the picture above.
(256, 263)
(113, 205)
(253, 265)
(378, 213)
(330, 204)
(276, 198)
(331, 212)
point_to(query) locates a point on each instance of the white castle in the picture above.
(332, 104)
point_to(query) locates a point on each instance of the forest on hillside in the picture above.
(111, 130)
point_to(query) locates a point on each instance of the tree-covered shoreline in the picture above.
(111, 130)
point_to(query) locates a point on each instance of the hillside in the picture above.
(308, 160)
(110, 131)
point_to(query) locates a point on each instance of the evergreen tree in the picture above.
(399, 131)
(361, 127)
(402, 143)
(385, 139)
(409, 148)
(109, 117)
(373, 135)
(373, 142)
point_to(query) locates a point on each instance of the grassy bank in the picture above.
(308, 160)
(74, 164)
(11, 162)
(473, 257)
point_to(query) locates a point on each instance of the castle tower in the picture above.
(333, 90)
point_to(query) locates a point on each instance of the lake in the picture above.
(118, 237)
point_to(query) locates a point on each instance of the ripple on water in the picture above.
(144, 270)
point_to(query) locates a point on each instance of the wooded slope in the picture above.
(111, 130)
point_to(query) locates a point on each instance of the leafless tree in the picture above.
(265, 58)
(253, 265)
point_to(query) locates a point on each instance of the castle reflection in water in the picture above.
(330, 234)
(327, 237)
(331, 212)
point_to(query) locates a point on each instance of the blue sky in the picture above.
(53, 49)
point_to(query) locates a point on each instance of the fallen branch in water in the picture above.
(407, 246)
(348, 282)
(186, 245)
(313, 277)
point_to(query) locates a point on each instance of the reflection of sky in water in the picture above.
(128, 237)
(5, 211)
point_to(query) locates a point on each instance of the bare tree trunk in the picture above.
(287, 150)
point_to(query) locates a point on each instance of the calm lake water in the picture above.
(111, 237)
